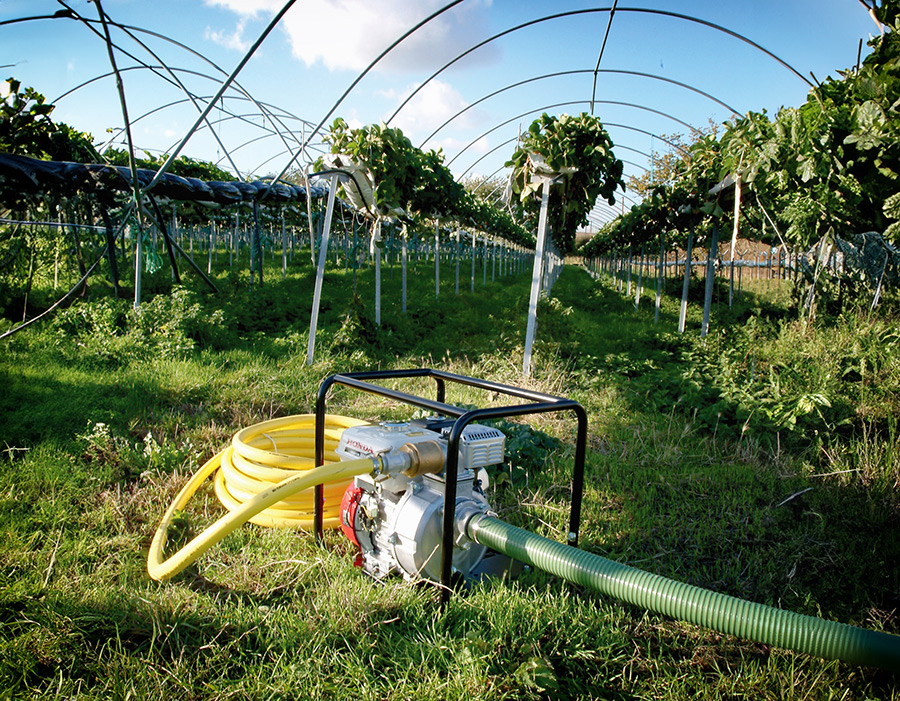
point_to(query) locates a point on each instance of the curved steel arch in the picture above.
(567, 104)
(487, 179)
(503, 124)
(231, 115)
(632, 163)
(677, 147)
(174, 103)
(299, 141)
(624, 194)
(621, 193)
(580, 71)
(713, 25)
(264, 108)
(585, 11)
(172, 77)
(601, 218)
(633, 150)
(605, 124)
(279, 155)
(143, 67)
(485, 155)
(316, 147)
(358, 78)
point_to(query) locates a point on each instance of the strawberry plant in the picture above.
(389, 156)
(415, 181)
(579, 150)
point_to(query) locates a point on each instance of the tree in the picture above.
(668, 168)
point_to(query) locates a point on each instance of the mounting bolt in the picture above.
(572, 537)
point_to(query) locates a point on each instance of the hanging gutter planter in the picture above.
(360, 191)
(578, 151)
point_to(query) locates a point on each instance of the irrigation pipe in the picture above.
(719, 612)
(266, 476)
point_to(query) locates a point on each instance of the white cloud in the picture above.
(248, 7)
(453, 146)
(235, 40)
(349, 34)
(433, 105)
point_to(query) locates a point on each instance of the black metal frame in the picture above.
(538, 402)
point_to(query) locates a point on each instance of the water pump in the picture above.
(395, 519)
(416, 507)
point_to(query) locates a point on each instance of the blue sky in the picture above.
(321, 46)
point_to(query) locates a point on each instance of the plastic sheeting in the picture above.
(29, 176)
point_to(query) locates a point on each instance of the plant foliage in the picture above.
(579, 150)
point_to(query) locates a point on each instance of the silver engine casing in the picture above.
(398, 521)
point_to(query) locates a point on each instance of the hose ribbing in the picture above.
(719, 612)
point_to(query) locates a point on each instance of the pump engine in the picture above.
(395, 519)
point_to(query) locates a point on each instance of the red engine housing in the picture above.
(349, 507)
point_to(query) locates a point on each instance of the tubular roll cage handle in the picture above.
(536, 403)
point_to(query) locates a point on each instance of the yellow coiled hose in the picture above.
(265, 476)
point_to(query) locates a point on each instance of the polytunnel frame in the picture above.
(278, 126)
(71, 14)
(584, 11)
(580, 71)
(674, 145)
(566, 104)
(268, 132)
(110, 45)
(264, 108)
(597, 70)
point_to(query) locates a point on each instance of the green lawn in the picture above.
(695, 450)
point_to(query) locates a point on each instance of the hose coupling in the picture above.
(425, 458)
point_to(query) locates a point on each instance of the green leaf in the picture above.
(892, 206)
(807, 169)
(869, 116)
(537, 673)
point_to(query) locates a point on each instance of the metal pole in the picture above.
(734, 235)
(404, 255)
(710, 278)
(320, 270)
(687, 280)
(474, 246)
(437, 259)
(659, 276)
(376, 238)
(284, 246)
(536, 279)
(457, 262)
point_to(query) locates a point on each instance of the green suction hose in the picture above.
(719, 612)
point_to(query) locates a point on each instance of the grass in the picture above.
(700, 453)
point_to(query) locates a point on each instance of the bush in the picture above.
(109, 331)
(175, 325)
